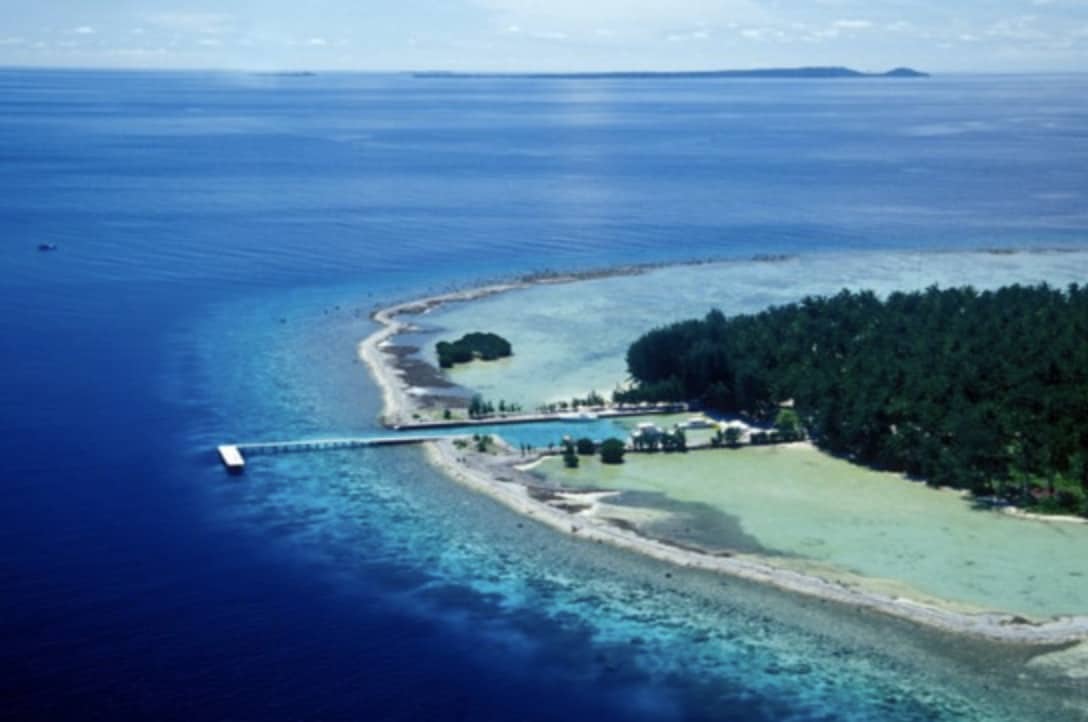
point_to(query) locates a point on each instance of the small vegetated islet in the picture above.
(472, 346)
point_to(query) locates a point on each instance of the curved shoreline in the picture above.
(399, 405)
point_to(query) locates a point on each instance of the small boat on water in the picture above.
(47, 247)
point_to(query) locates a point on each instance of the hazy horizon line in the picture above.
(528, 71)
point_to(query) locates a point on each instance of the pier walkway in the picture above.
(233, 455)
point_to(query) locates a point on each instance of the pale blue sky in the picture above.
(954, 35)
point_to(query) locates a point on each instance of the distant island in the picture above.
(805, 73)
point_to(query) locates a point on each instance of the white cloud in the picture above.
(317, 42)
(515, 29)
(550, 35)
(83, 30)
(837, 28)
(193, 22)
(763, 34)
(1022, 27)
(138, 53)
(649, 17)
(12, 41)
(693, 35)
(852, 24)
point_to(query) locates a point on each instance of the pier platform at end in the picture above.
(232, 458)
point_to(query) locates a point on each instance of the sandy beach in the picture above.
(377, 350)
(501, 475)
(481, 471)
(380, 354)
(398, 404)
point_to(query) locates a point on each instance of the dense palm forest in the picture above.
(985, 391)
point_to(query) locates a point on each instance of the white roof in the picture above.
(231, 456)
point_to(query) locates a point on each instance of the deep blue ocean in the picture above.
(221, 239)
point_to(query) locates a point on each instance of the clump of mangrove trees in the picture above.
(471, 346)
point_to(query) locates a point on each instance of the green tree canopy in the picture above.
(485, 346)
(586, 447)
(957, 386)
(612, 451)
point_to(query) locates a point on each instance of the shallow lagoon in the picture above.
(818, 510)
(569, 339)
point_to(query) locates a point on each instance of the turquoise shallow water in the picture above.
(570, 339)
(826, 514)
(635, 629)
(657, 641)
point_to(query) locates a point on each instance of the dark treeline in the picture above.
(983, 391)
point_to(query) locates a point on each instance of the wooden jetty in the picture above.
(233, 455)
